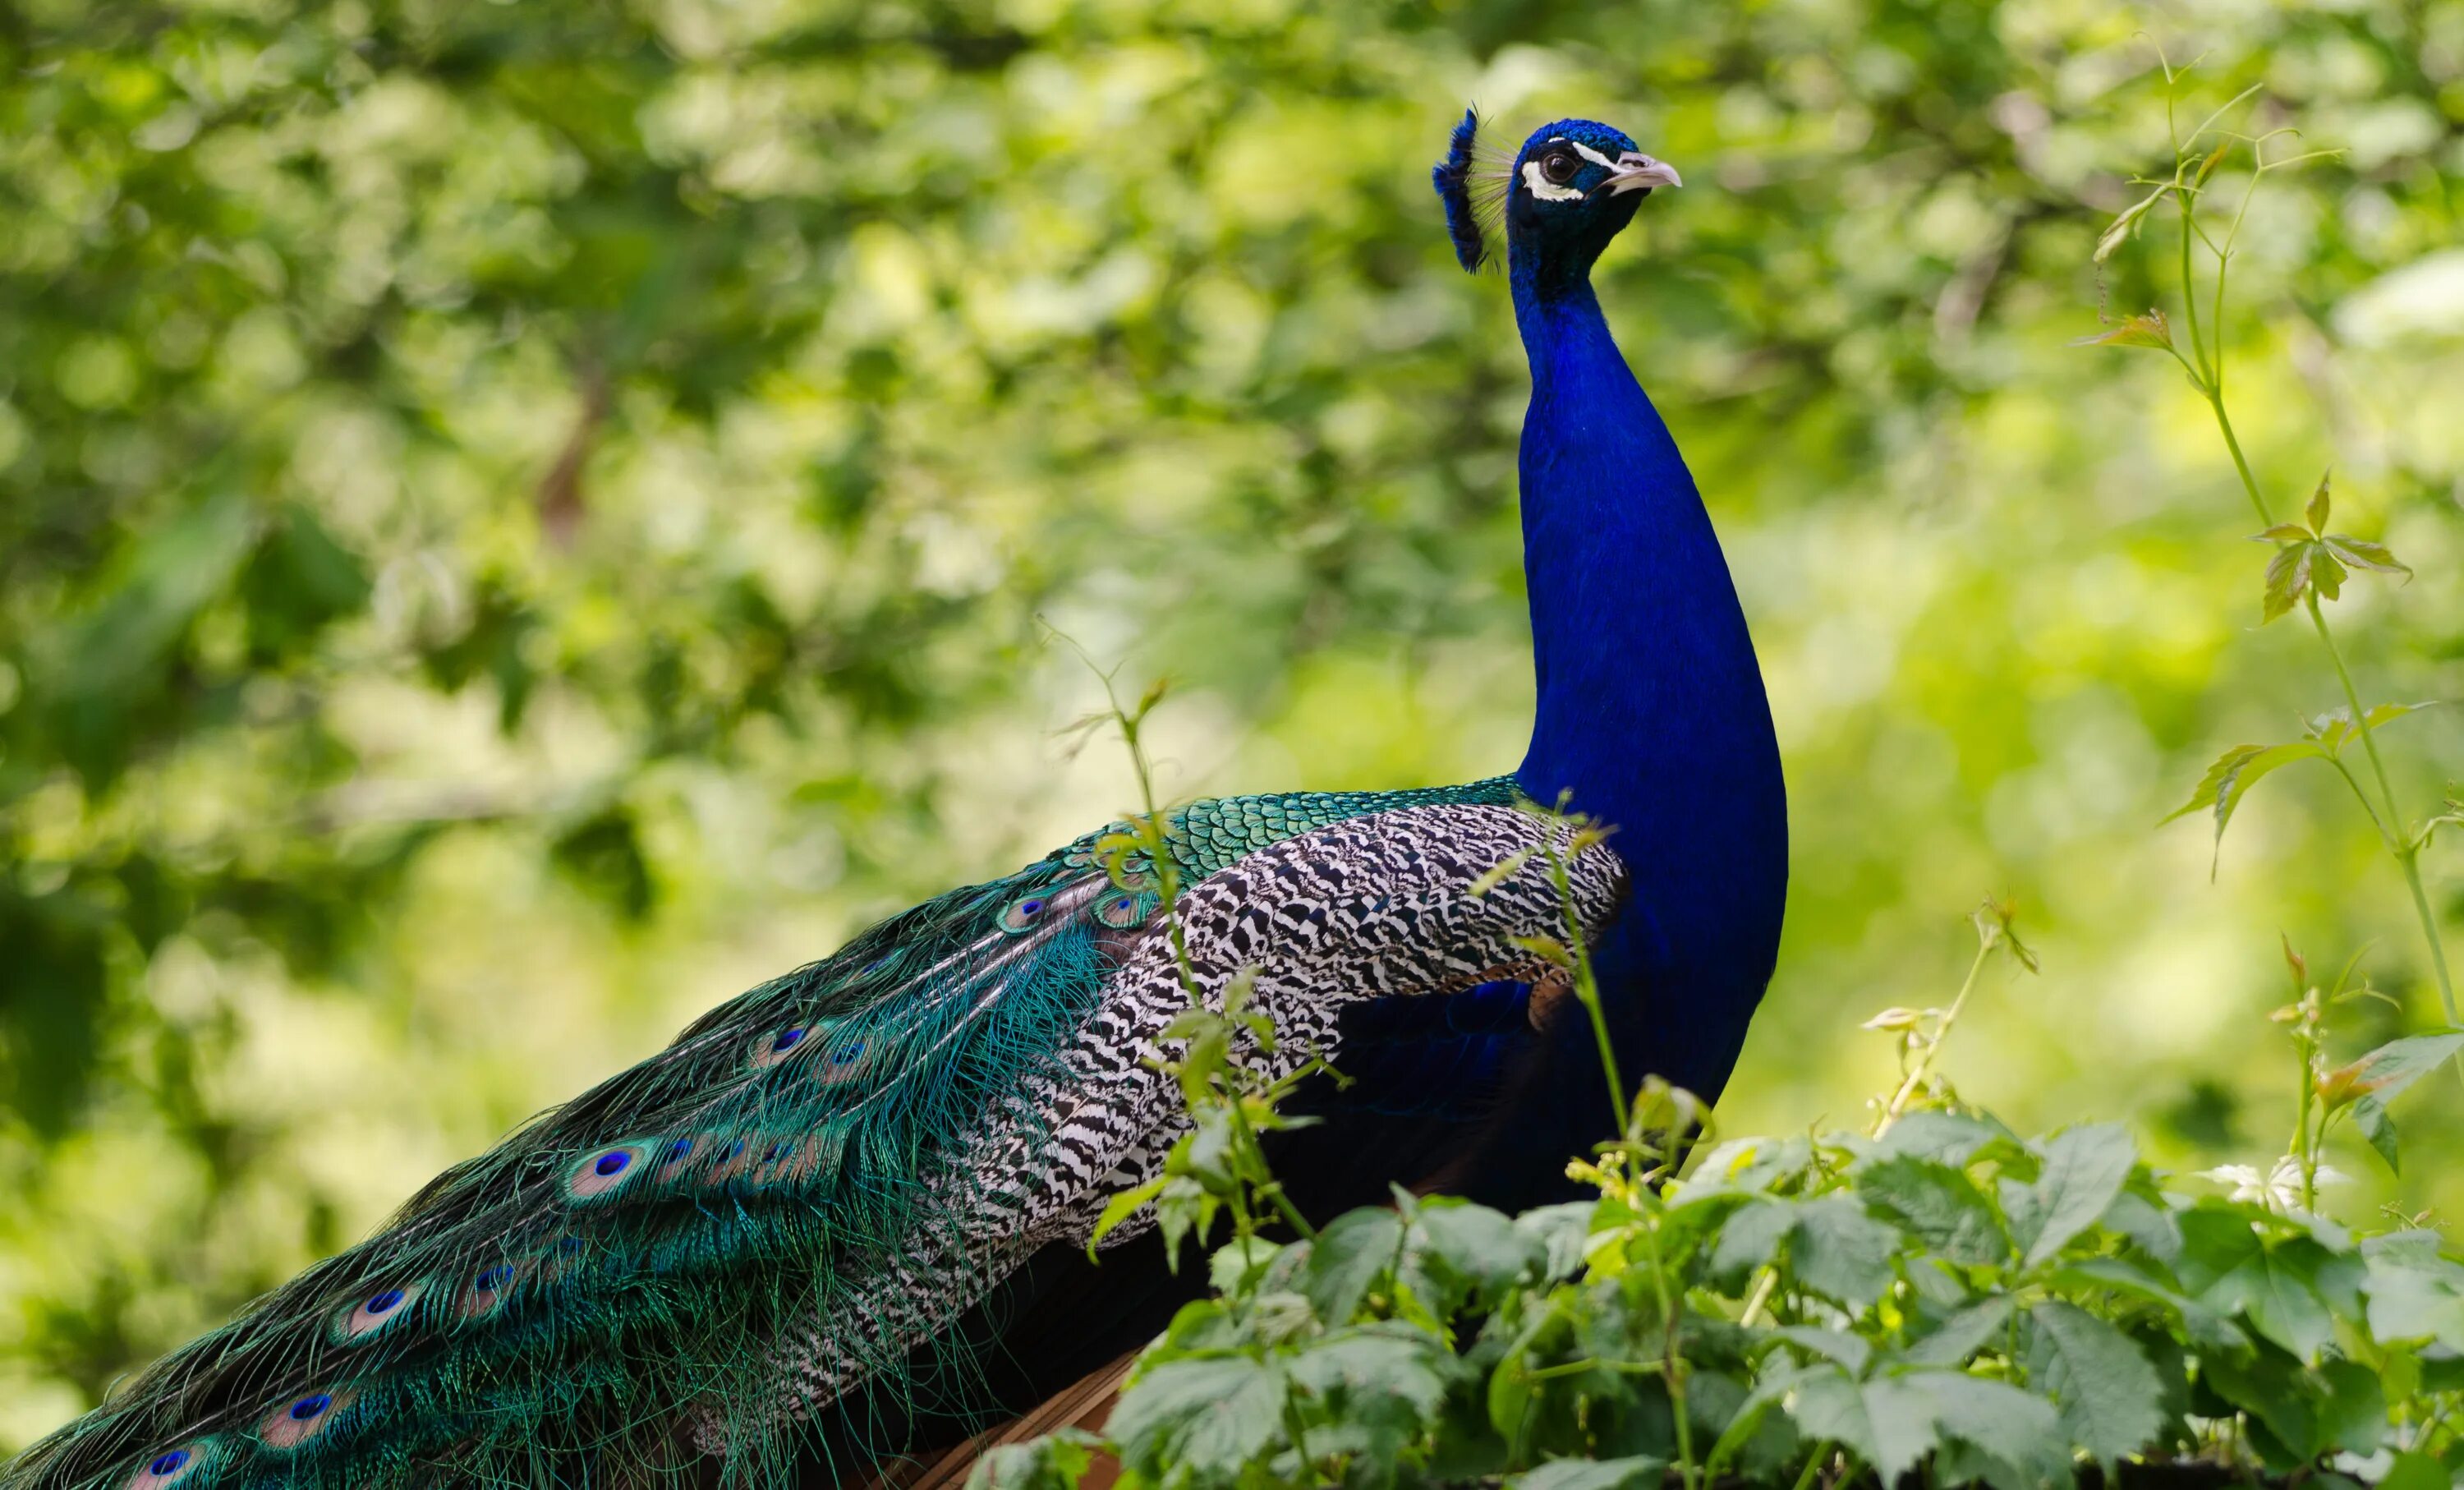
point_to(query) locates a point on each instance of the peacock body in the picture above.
(843, 1217)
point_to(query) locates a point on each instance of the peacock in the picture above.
(842, 1223)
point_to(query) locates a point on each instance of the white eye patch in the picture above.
(1547, 190)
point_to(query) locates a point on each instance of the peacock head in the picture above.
(1572, 187)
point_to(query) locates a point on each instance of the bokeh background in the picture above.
(519, 520)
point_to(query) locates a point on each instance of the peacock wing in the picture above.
(815, 1179)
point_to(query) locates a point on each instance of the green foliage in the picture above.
(1935, 1294)
(469, 473)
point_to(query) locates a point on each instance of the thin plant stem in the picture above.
(1814, 1463)
(2407, 851)
(1923, 1067)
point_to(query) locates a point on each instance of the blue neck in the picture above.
(1651, 707)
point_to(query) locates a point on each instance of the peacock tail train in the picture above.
(683, 1265)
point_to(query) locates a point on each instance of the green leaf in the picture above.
(1639, 1471)
(1963, 1334)
(1210, 1415)
(2321, 502)
(1837, 1345)
(1947, 1137)
(2276, 1283)
(2201, 1323)
(2415, 1292)
(2084, 1169)
(2387, 1071)
(1236, 1262)
(2102, 1382)
(2288, 578)
(1888, 1423)
(2016, 1427)
(1563, 1233)
(1121, 1207)
(1345, 1260)
(2147, 329)
(1475, 1246)
(1751, 1238)
(1841, 1253)
(1386, 1384)
(2122, 226)
(2415, 1472)
(2378, 1128)
(1938, 1205)
(1055, 1462)
(2149, 1225)
(2235, 772)
(2362, 553)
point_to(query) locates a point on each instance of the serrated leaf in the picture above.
(2319, 503)
(2202, 1324)
(2390, 1068)
(1938, 1205)
(1385, 1379)
(1625, 1474)
(2123, 224)
(2016, 1427)
(2105, 1389)
(2362, 553)
(1121, 1206)
(1213, 1415)
(1562, 1233)
(1751, 1238)
(2276, 1283)
(2148, 1225)
(2084, 1169)
(1947, 1137)
(2288, 578)
(2148, 329)
(1889, 1424)
(1963, 1334)
(1058, 1461)
(2235, 772)
(1841, 1253)
(2283, 533)
(1345, 1260)
(1837, 1345)
(2415, 1291)
(2378, 1129)
(1474, 1246)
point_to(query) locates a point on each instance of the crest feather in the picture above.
(1452, 177)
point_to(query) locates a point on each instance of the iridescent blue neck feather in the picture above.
(1651, 708)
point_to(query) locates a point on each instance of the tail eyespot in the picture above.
(487, 1290)
(172, 1466)
(374, 1311)
(1022, 914)
(780, 1045)
(605, 1171)
(302, 1418)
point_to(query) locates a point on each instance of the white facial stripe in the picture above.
(1592, 155)
(1546, 189)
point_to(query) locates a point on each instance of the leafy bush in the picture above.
(1934, 1295)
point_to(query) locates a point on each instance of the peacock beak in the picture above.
(1635, 171)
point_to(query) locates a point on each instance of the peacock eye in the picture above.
(1559, 166)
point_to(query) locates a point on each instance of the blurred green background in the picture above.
(519, 520)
